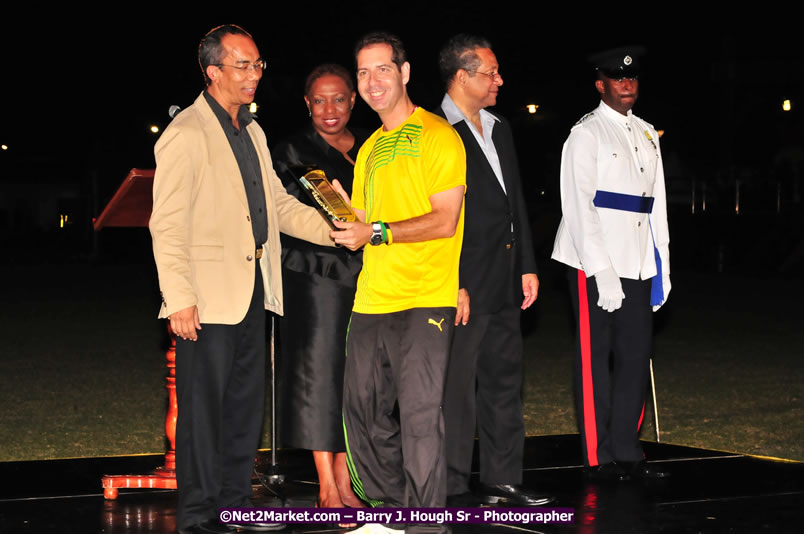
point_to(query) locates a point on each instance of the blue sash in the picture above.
(636, 204)
(621, 201)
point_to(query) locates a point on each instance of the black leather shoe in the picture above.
(512, 494)
(606, 472)
(210, 526)
(642, 470)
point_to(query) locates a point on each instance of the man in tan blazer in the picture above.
(217, 213)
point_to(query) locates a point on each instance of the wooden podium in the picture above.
(131, 204)
(131, 207)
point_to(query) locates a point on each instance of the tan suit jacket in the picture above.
(201, 227)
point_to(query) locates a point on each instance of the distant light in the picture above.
(252, 107)
(154, 129)
(63, 219)
(787, 105)
(660, 132)
(4, 147)
(532, 108)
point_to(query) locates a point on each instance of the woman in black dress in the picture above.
(319, 287)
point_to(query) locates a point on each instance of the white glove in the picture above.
(665, 289)
(609, 290)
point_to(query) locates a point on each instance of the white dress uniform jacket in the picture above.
(608, 151)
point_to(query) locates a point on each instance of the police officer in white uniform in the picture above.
(614, 238)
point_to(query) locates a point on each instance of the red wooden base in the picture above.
(159, 479)
(162, 477)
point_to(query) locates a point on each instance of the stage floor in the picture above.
(708, 491)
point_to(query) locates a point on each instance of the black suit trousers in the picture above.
(484, 382)
(220, 386)
(612, 362)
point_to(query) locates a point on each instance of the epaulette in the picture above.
(584, 118)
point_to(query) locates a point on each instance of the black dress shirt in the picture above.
(249, 164)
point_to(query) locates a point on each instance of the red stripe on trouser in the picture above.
(587, 388)
(641, 416)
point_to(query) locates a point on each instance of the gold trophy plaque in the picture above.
(330, 204)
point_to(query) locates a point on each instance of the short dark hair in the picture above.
(398, 55)
(210, 49)
(459, 53)
(328, 69)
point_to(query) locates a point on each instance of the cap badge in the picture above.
(627, 60)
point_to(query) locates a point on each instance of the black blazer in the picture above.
(491, 272)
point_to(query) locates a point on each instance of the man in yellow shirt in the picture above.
(408, 191)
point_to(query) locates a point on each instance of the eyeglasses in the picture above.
(492, 75)
(258, 66)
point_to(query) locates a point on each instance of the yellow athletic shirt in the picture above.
(396, 173)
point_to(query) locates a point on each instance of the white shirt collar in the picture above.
(615, 115)
(455, 115)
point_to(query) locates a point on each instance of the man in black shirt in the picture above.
(217, 213)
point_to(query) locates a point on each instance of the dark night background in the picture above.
(81, 351)
(79, 93)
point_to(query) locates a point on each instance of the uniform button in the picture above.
(248, 217)
(636, 149)
(508, 246)
(639, 223)
(249, 257)
(644, 193)
(641, 169)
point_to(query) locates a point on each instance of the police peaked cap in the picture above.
(620, 62)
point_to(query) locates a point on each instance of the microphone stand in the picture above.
(274, 476)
